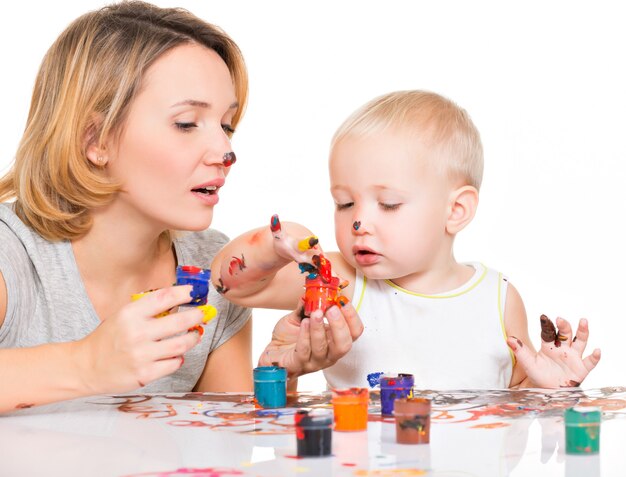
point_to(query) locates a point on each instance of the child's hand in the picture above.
(132, 348)
(286, 246)
(559, 362)
(310, 345)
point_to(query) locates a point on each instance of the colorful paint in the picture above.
(412, 420)
(350, 407)
(393, 387)
(321, 289)
(356, 225)
(314, 432)
(582, 430)
(270, 386)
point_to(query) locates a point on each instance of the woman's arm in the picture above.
(127, 351)
(229, 367)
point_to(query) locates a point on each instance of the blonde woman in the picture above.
(127, 140)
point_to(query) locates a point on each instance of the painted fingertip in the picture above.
(275, 223)
(343, 300)
(307, 243)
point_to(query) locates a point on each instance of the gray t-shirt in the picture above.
(47, 301)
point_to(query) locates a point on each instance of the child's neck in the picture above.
(438, 279)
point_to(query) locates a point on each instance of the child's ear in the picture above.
(462, 208)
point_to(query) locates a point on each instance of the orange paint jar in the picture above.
(319, 295)
(350, 408)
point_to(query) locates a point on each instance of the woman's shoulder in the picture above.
(199, 248)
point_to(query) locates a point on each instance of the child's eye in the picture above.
(344, 206)
(389, 206)
(186, 127)
(228, 129)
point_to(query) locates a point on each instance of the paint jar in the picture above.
(350, 407)
(270, 386)
(412, 420)
(582, 430)
(198, 278)
(393, 386)
(314, 432)
(320, 295)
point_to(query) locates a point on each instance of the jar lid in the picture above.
(314, 419)
(270, 373)
(351, 395)
(416, 405)
(397, 380)
(582, 415)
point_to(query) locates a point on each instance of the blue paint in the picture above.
(196, 277)
(270, 386)
(393, 387)
(374, 379)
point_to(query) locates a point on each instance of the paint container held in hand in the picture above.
(582, 430)
(392, 387)
(314, 432)
(350, 408)
(270, 386)
(412, 420)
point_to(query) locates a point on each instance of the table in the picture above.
(473, 433)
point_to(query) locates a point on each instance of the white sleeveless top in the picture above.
(452, 340)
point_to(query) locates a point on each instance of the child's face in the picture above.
(391, 207)
(169, 157)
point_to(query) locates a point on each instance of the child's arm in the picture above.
(260, 268)
(559, 362)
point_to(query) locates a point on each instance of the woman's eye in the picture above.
(186, 127)
(389, 206)
(228, 129)
(344, 206)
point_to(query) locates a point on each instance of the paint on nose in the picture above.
(229, 159)
(356, 225)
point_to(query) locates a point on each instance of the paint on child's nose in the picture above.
(229, 159)
(356, 225)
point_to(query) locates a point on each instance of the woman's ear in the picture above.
(462, 208)
(96, 153)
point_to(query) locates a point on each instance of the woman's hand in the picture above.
(559, 362)
(132, 348)
(304, 346)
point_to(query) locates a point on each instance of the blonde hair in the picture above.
(443, 128)
(83, 91)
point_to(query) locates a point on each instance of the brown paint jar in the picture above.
(412, 420)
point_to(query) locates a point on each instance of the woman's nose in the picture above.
(219, 151)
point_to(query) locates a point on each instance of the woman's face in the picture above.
(169, 157)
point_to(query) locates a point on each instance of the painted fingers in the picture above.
(288, 247)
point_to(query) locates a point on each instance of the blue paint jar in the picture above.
(270, 386)
(393, 387)
(198, 278)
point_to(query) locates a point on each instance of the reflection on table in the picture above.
(473, 433)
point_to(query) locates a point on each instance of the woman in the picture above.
(127, 140)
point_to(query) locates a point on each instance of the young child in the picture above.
(405, 171)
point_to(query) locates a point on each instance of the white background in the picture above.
(544, 82)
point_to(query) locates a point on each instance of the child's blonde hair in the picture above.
(435, 122)
(85, 86)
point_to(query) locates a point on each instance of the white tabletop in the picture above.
(473, 433)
